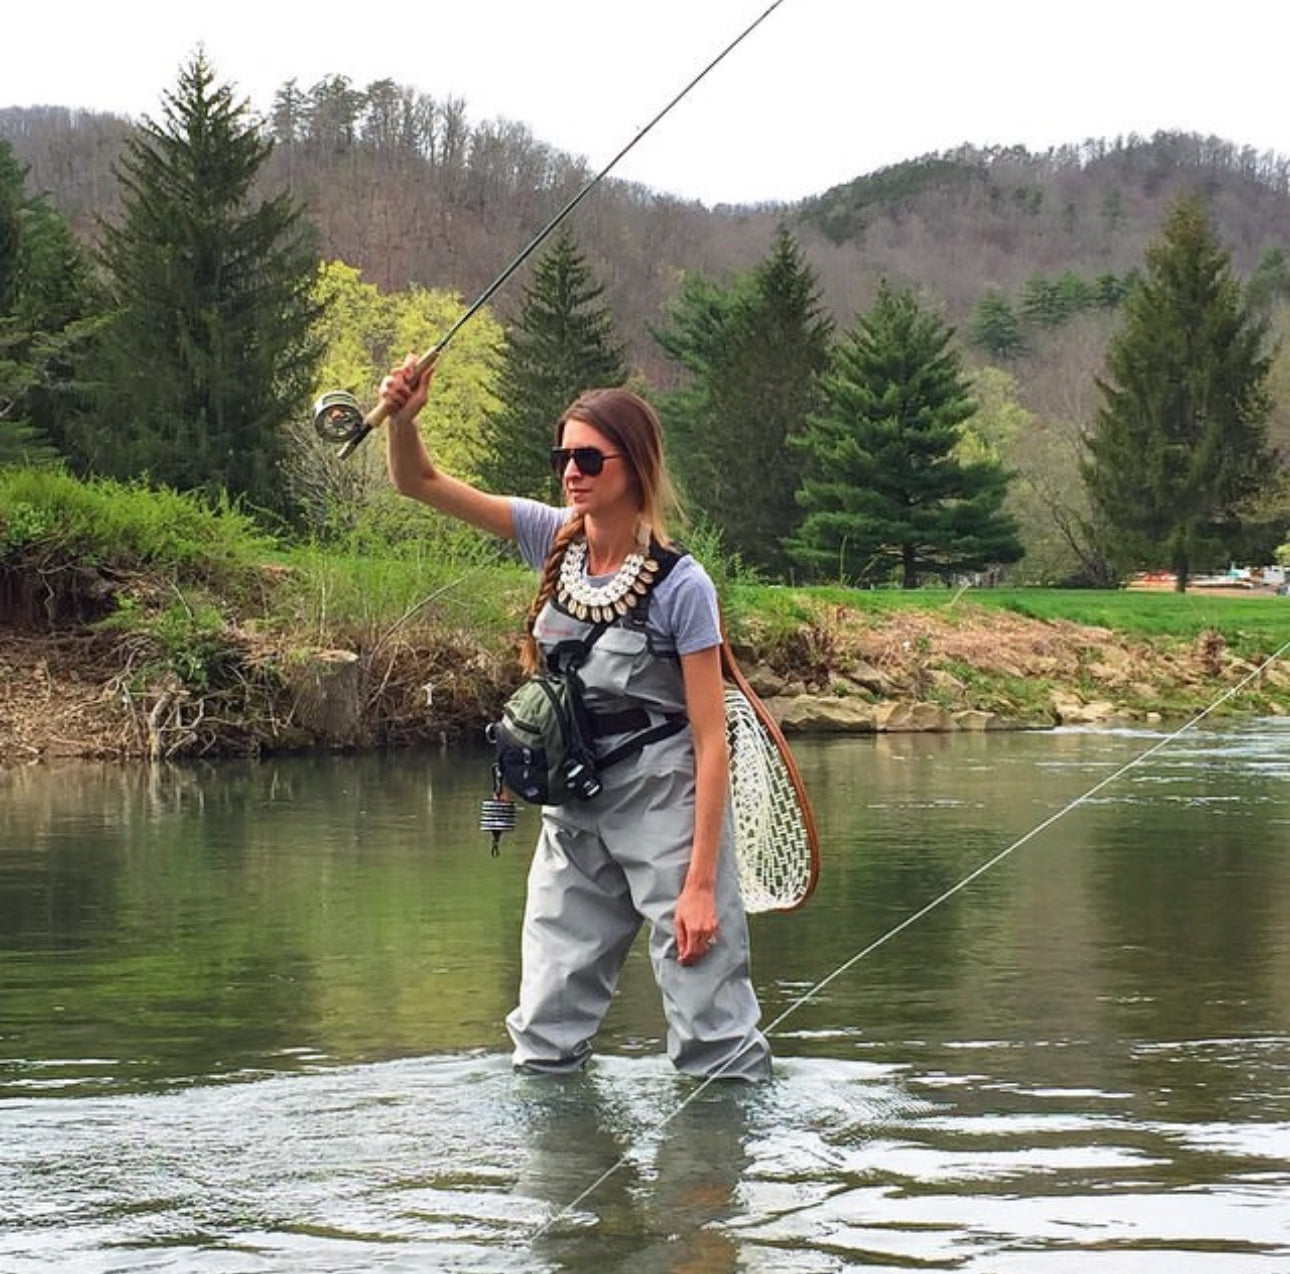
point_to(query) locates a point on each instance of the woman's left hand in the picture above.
(696, 923)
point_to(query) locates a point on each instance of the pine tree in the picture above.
(211, 350)
(700, 319)
(12, 178)
(1269, 285)
(885, 492)
(755, 351)
(996, 328)
(561, 343)
(45, 303)
(1179, 448)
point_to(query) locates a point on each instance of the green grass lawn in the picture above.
(1257, 623)
(1261, 617)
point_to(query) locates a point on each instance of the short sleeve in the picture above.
(535, 526)
(687, 606)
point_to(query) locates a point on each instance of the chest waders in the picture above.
(605, 867)
(546, 743)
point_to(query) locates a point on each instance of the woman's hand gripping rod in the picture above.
(337, 415)
(339, 418)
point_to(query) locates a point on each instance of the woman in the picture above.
(656, 845)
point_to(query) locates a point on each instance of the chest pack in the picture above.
(544, 740)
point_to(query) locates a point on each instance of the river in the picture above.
(250, 1022)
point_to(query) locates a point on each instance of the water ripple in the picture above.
(458, 1164)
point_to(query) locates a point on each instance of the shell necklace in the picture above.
(603, 602)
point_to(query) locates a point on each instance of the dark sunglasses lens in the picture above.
(590, 461)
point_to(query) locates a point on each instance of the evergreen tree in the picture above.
(1075, 294)
(755, 351)
(1042, 304)
(333, 110)
(289, 116)
(995, 327)
(45, 298)
(210, 351)
(561, 343)
(12, 177)
(1179, 448)
(1110, 289)
(885, 491)
(700, 319)
(1269, 285)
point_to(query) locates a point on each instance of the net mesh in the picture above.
(771, 839)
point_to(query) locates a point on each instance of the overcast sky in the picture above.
(820, 92)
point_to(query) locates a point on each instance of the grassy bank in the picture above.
(204, 634)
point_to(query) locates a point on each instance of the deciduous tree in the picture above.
(364, 331)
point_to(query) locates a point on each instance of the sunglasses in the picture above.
(590, 460)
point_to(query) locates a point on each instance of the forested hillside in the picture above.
(411, 191)
(1025, 260)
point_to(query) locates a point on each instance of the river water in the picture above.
(250, 1022)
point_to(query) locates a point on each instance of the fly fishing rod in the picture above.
(337, 414)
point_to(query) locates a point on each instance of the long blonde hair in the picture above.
(632, 426)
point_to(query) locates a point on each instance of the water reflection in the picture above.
(181, 924)
(651, 1184)
(250, 1020)
(385, 1167)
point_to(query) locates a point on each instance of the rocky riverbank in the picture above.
(75, 694)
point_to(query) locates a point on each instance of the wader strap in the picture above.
(671, 724)
(627, 721)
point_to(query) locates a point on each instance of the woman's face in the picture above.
(611, 490)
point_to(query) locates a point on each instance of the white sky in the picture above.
(821, 92)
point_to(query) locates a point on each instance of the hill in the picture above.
(963, 222)
(409, 190)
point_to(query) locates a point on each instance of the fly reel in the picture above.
(338, 417)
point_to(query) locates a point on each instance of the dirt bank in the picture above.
(74, 694)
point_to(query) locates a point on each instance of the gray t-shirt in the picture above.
(683, 615)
